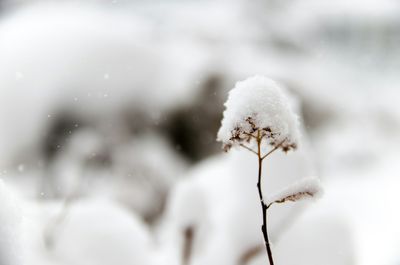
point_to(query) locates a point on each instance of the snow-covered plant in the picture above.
(259, 118)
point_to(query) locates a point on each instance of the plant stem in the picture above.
(273, 150)
(264, 206)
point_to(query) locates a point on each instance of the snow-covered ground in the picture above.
(109, 111)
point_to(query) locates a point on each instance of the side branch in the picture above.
(248, 148)
(273, 150)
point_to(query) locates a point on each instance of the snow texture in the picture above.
(10, 221)
(108, 234)
(303, 189)
(259, 104)
(95, 231)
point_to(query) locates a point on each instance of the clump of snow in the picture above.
(95, 231)
(190, 204)
(303, 189)
(259, 104)
(102, 232)
(10, 221)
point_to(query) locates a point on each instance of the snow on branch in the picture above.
(304, 189)
(259, 105)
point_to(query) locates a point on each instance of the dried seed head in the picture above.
(258, 106)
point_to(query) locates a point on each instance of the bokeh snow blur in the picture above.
(109, 111)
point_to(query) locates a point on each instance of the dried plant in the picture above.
(258, 115)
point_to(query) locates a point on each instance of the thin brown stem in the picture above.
(248, 148)
(273, 150)
(264, 227)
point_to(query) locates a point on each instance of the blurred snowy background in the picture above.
(108, 117)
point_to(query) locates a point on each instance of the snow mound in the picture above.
(101, 232)
(10, 221)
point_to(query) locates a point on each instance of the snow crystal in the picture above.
(305, 188)
(259, 104)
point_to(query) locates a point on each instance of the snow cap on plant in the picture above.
(259, 105)
(304, 189)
